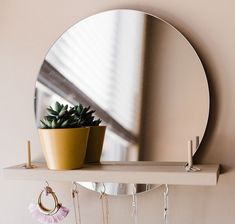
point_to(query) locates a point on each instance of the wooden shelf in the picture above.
(121, 172)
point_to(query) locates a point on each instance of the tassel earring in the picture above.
(45, 215)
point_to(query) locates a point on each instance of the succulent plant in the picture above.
(60, 117)
(86, 115)
(63, 117)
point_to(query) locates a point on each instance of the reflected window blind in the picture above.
(104, 62)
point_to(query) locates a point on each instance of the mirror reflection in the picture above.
(142, 77)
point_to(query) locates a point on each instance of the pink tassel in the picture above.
(47, 219)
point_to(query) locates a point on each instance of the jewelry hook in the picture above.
(75, 186)
(166, 208)
(103, 191)
(166, 189)
(47, 183)
(134, 204)
(74, 189)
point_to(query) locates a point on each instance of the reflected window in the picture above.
(104, 65)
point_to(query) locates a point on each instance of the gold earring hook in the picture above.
(166, 189)
(103, 190)
(47, 183)
(75, 189)
(75, 186)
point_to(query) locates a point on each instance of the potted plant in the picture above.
(96, 134)
(63, 138)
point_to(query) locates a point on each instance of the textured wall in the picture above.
(28, 29)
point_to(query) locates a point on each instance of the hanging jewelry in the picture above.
(76, 205)
(134, 204)
(45, 215)
(104, 204)
(166, 207)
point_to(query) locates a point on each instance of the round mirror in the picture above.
(143, 79)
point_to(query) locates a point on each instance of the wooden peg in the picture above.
(28, 164)
(197, 142)
(190, 153)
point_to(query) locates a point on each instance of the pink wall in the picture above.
(28, 29)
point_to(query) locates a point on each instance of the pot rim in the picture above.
(62, 128)
(101, 126)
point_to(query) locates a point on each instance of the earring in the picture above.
(45, 215)
(104, 204)
(134, 204)
(166, 206)
(76, 206)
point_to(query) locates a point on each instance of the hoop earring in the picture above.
(45, 215)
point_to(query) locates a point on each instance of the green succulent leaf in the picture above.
(62, 117)
(78, 109)
(65, 123)
(71, 111)
(46, 122)
(58, 106)
(44, 125)
(53, 124)
(49, 118)
(52, 112)
(62, 112)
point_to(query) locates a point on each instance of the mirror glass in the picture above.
(143, 78)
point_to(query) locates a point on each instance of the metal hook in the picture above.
(75, 186)
(134, 197)
(75, 189)
(134, 204)
(104, 203)
(47, 189)
(166, 193)
(134, 189)
(76, 206)
(147, 187)
(103, 191)
(166, 189)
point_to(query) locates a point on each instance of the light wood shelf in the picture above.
(121, 172)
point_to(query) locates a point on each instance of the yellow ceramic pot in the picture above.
(64, 149)
(95, 144)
